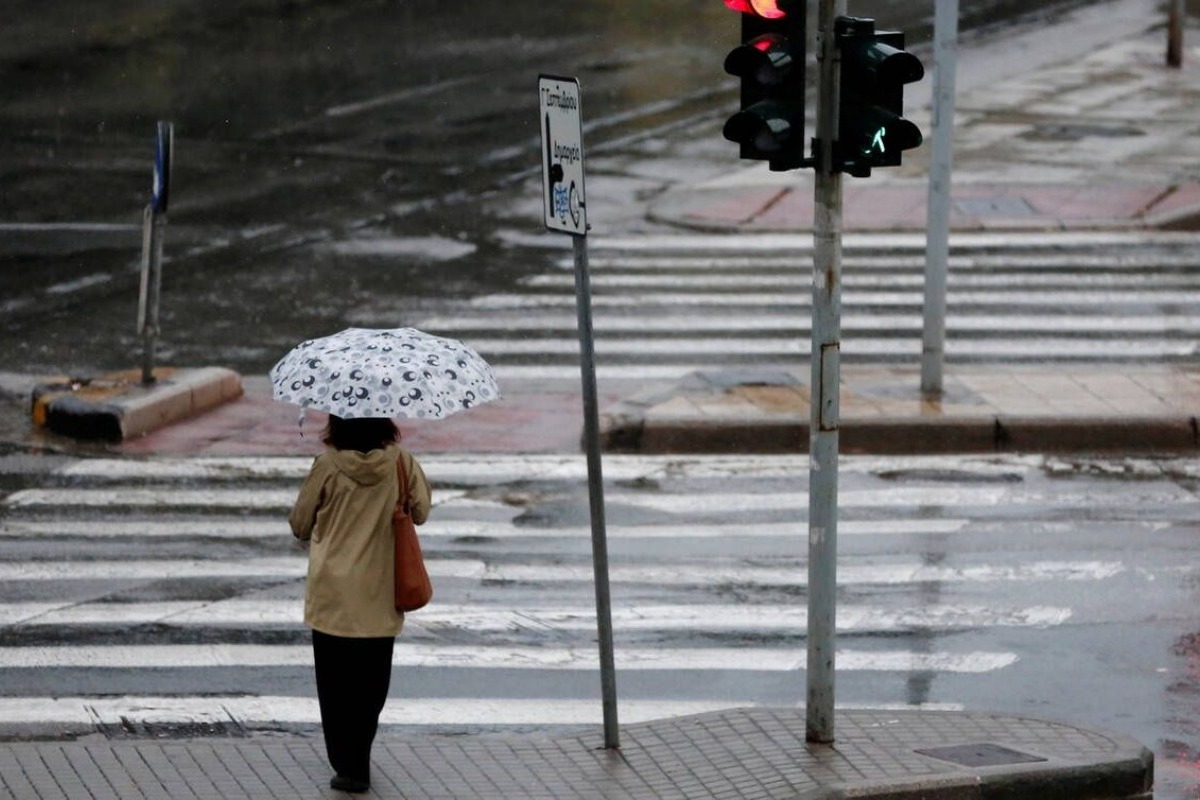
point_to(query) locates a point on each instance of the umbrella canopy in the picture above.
(384, 373)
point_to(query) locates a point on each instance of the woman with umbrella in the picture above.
(344, 512)
(364, 379)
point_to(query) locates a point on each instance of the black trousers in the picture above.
(353, 675)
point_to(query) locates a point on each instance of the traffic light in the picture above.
(770, 61)
(872, 130)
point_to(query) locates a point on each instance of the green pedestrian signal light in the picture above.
(769, 126)
(875, 67)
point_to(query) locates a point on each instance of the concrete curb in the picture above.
(662, 434)
(117, 406)
(1124, 771)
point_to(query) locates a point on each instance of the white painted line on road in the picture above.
(217, 528)
(792, 281)
(170, 498)
(291, 468)
(154, 498)
(1088, 261)
(161, 569)
(670, 573)
(794, 347)
(802, 244)
(1025, 325)
(851, 299)
(225, 528)
(797, 575)
(410, 655)
(749, 619)
(282, 499)
(500, 468)
(734, 502)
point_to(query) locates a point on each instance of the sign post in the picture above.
(154, 220)
(566, 212)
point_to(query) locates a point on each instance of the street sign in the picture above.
(562, 155)
(566, 211)
(163, 158)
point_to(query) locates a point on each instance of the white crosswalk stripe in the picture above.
(128, 578)
(672, 305)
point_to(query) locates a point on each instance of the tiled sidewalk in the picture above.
(748, 754)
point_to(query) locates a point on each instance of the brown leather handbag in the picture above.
(413, 587)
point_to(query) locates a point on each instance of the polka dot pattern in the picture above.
(401, 373)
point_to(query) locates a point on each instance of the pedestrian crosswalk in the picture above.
(169, 591)
(679, 304)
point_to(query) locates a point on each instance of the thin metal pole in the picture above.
(826, 378)
(591, 427)
(937, 248)
(151, 288)
(1175, 33)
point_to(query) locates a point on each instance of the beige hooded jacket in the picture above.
(345, 510)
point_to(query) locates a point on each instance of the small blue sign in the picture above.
(162, 167)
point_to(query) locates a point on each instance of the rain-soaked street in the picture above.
(375, 163)
(162, 597)
(302, 126)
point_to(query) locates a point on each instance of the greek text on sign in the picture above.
(562, 154)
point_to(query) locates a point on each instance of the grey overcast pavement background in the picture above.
(1097, 141)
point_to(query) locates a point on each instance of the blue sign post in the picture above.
(163, 149)
(154, 220)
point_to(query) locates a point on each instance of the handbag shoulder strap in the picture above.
(402, 474)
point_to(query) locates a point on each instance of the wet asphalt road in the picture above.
(301, 124)
(1061, 588)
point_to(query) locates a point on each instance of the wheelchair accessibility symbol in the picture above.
(567, 204)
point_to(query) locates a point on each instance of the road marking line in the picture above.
(237, 528)
(709, 502)
(434, 620)
(852, 299)
(713, 573)
(584, 657)
(499, 468)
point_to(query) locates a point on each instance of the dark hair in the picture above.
(363, 435)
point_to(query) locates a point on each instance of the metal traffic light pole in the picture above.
(826, 379)
(937, 236)
(862, 73)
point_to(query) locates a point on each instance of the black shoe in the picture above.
(352, 785)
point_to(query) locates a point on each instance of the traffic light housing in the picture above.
(770, 62)
(872, 130)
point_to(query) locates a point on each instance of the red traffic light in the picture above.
(767, 9)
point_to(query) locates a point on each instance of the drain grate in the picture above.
(137, 729)
(980, 755)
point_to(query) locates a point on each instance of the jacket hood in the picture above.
(366, 469)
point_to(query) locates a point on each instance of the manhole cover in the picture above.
(980, 755)
(993, 207)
